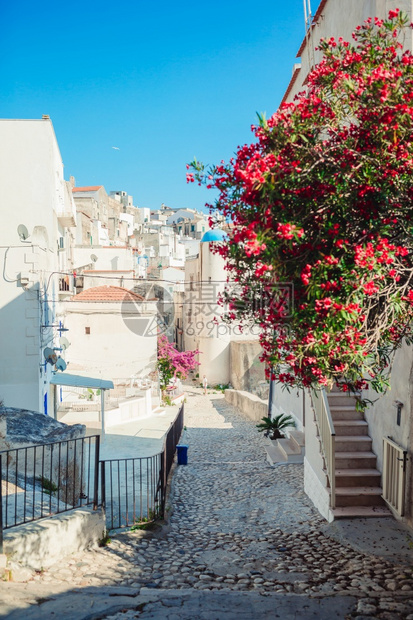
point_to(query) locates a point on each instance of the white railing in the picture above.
(394, 474)
(327, 438)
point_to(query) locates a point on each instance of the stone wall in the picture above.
(43, 543)
(247, 372)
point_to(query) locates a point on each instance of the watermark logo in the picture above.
(204, 307)
(149, 310)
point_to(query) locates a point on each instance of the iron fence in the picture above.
(133, 490)
(172, 439)
(128, 490)
(40, 481)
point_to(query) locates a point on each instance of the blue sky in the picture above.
(162, 81)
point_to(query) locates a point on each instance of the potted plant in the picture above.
(273, 427)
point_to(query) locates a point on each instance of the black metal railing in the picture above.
(128, 490)
(172, 438)
(133, 490)
(40, 481)
(171, 441)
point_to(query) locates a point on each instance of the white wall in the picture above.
(341, 19)
(191, 246)
(294, 402)
(108, 258)
(32, 192)
(118, 345)
(202, 317)
(173, 279)
(382, 418)
(182, 213)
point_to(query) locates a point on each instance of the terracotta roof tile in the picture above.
(89, 188)
(107, 293)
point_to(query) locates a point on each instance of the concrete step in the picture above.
(351, 427)
(359, 496)
(275, 455)
(298, 437)
(355, 460)
(353, 443)
(357, 477)
(341, 412)
(341, 398)
(291, 450)
(347, 512)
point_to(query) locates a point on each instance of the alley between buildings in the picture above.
(242, 541)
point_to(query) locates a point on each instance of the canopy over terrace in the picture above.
(86, 382)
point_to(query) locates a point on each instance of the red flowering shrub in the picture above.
(323, 199)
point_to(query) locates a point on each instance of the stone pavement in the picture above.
(243, 540)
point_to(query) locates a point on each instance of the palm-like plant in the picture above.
(272, 427)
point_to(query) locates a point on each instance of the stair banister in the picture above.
(327, 438)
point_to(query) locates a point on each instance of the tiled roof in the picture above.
(89, 188)
(107, 293)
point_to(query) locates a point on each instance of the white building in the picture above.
(391, 415)
(113, 334)
(38, 214)
(203, 328)
(332, 18)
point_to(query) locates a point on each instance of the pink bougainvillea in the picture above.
(173, 363)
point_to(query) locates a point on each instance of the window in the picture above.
(87, 330)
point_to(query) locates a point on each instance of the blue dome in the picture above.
(214, 235)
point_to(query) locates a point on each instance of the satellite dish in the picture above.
(64, 343)
(93, 258)
(22, 232)
(50, 355)
(61, 364)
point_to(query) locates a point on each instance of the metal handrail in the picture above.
(327, 438)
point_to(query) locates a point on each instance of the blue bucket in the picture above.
(182, 454)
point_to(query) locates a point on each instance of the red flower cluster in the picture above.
(323, 200)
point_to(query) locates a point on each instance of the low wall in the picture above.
(130, 410)
(43, 543)
(250, 405)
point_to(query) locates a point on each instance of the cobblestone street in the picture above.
(236, 524)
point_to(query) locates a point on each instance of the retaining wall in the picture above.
(43, 543)
(250, 405)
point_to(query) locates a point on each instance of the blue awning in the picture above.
(78, 381)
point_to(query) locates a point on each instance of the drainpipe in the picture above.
(102, 411)
(270, 395)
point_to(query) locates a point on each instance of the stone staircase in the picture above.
(358, 481)
(288, 450)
